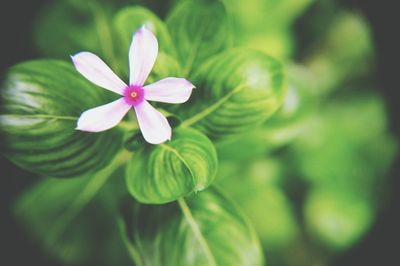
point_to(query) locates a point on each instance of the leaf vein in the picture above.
(196, 230)
(210, 109)
(177, 154)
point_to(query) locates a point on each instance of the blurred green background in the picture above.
(319, 179)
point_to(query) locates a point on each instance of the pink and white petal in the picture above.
(103, 117)
(96, 71)
(169, 90)
(142, 55)
(153, 124)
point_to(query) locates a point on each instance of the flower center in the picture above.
(134, 94)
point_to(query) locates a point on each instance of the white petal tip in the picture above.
(96, 71)
(73, 59)
(156, 142)
(159, 141)
(92, 130)
(141, 29)
(169, 90)
(190, 84)
(103, 117)
(80, 128)
(74, 56)
(142, 55)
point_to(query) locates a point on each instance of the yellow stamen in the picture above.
(133, 94)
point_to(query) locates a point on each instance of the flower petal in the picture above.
(142, 55)
(169, 90)
(154, 126)
(96, 71)
(103, 117)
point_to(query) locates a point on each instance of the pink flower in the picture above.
(142, 55)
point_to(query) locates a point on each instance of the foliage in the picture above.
(270, 157)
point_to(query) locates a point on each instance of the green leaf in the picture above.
(199, 29)
(204, 229)
(338, 220)
(251, 14)
(73, 220)
(67, 28)
(127, 21)
(63, 28)
(336, 63)
(42, 101)
(166, 172)
(254, 185)
(291, 119)
(266, 25)
(355, 150)
(165, 66)
(289, 122)
(279, 43)
(237, 91)
(247, 147)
